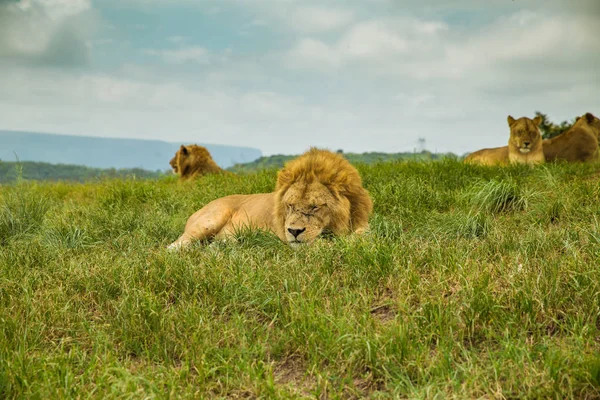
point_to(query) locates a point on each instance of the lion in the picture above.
(578, 144)
(524, 145)
(317, 193)
(193, 160)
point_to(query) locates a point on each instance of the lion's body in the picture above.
(578, 144)
(223, 217)
(192, 161)
(524, 146)
(493, 156)
(318, 192)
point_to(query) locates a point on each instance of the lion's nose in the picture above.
(296, 232)
(526, 143)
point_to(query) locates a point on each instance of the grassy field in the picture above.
(474, 282)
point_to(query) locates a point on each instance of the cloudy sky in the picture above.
(282, 75)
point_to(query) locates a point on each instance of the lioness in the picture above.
(193, 160)
(315, 193)
(579, 143)
(524, 145)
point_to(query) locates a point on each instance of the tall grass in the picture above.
(22, 211)
(472, 282)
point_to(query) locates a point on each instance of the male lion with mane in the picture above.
(318, 192)
(193, 160)
(524, 145)
(578, 144)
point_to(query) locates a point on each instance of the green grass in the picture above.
(473, 282)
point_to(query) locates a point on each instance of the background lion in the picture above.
(317, 192)
(579, 143)
(193, 160)
(524, 145)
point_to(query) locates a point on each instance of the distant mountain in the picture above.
(97, 152)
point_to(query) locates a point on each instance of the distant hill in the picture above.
(152, 155)
(28, 170)
(278, 160)
(9, 171)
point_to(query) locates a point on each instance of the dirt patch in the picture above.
(363, 387)
(384, 313)
(384, 308)
(291, 372)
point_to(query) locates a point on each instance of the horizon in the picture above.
(415, 150)
(368, 76)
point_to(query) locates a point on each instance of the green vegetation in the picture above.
(277, 161)
(474, 282)
(10, 171)
(550, 129)
(40, 171)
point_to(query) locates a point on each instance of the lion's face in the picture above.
(308, 211)
(181, 159)
(173, 163)
(320, 192)
(524, 133)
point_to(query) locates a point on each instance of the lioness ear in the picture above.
(183, 150)
(511, 120)
(589, 117)
(537, 120)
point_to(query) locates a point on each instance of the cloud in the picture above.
(523, 48)
(182, 55)
(314, 19)
(374, 40)
(177, 39)
(377, 42)
(57, 9)
(360, 75)
(313, 54)
(431, 49)
(151, 108)
(45, 32)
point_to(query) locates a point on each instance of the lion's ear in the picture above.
(511, 120)
(589, 117)
(183, 150)
(537, 120)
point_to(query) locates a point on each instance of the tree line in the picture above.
(29, 170)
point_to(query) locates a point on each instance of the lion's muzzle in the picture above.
(297, 236)
(296, 232)
(525, 147)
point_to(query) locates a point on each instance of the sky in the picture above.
(284, 75)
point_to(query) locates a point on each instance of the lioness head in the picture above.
(524, 133)
(592, 121)
(320, 192)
